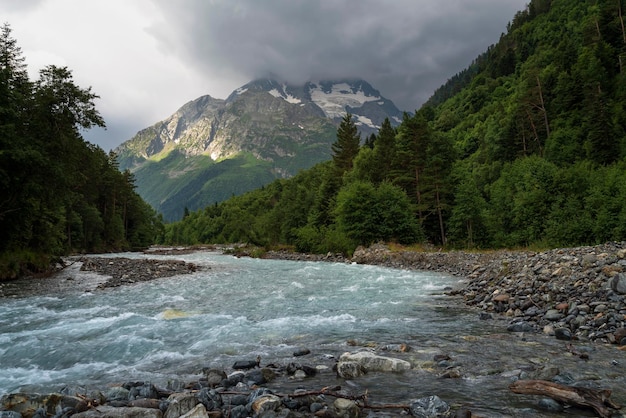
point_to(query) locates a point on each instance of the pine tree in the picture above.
(347, 145)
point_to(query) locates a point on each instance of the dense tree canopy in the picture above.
(58, 193)
(526, 147)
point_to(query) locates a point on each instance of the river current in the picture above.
(235, 309)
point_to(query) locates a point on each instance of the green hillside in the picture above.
(525, 147)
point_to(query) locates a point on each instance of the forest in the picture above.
(59, 194)
(524, 148)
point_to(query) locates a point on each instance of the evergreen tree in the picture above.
(347, 145)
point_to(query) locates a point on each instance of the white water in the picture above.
(237, 308)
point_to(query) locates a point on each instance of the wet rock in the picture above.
(211, 399)
(27, 404)
(618, 284)
(117, 393)
(520, 327)
(266, 403)
(180, 404)
(301, 352)
(563, 334)
(550, 405)
(429, 407)
(350, 369)
(214, 377)
(373, 362)
(199, 411)
(106, 411)
(345, 408)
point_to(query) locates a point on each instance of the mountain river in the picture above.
(64, 331)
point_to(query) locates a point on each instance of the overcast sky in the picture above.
(146, 58)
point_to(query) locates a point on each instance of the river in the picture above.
(62, 331)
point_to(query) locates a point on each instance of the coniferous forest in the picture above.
(58, 193)
(525, 147)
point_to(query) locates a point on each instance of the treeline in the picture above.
(524, 148)
(58, 193)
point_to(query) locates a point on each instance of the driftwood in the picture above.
(577, 396)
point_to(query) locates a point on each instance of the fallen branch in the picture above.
(577, 396)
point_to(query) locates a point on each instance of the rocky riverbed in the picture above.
(576, 295)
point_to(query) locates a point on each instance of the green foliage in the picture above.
(58, 193)
(525, 147)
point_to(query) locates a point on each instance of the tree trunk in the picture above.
(577, 396)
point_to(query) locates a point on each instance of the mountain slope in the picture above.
(211, 149)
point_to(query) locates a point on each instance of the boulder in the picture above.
(345, 408)
(430, 407)
(199, 411)
(350, 369)
(266, 403)
(375, 363)
(26, 404)
(618, 283)
(180, 404)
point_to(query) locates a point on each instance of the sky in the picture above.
(146, 58)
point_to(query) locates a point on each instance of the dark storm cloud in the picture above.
(405, 48)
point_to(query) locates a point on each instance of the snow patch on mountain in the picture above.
(284, 95)
(364, 120)
(334, 101)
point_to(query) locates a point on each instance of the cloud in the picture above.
(146, 58)
(405, 48)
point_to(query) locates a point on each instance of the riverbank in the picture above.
(524, 291)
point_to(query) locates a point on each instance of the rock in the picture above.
(550, 405)
(618, 283)
(199, 411)
(350, 369)
(214, 377)
(180, 404)
(563, 334)
(301, 352)
(266, 403)
(210, 398)
(373, 362)
(106, 411)
(345, 408)
(553, 315)
(117, 393)
(26, 404)
(520, 327)
(247, 364)
(10, 414)
(429, 407)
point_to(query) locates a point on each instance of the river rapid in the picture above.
(63, 331)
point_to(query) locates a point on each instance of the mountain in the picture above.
(211, 149)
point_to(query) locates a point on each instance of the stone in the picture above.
(266, 403)
(301, 352)
(373, 362)
(550, 405)
(553, 315)
(26, 404)
(618, 283)
(345, 408)
(563, 334)
(214, 377)
(199, 411)
(210, 398)
(350, 369)
(105, 411)
(429, 407)
(520, 327)
(180, 404)
(10, 414)
(117, 393)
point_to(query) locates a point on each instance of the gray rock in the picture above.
(180, 404)
(430, 407)
(520, 327)
(350, 369)
(199, 411)
(618, 283)
(346, 408)
(373, 362)
(106, 411)
(548, 404)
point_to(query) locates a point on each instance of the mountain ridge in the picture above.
(281, 127)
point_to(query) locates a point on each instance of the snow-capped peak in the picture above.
(334, 99)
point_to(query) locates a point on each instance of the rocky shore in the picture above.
(575, 295)
(571, 293)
